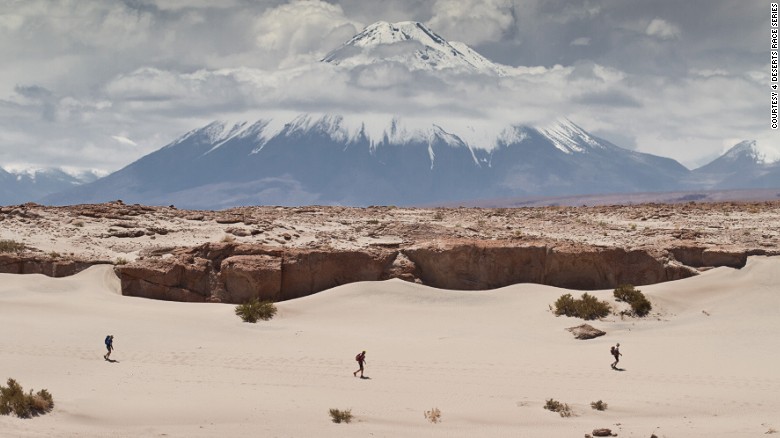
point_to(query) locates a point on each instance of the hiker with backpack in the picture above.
(616, 353)
(361, 359)
(109, 346)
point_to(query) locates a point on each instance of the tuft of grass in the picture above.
(14, 400)
(438, 215)
(598, 405)
(7, 245)
(640, 306)
(562, 409)
(120, 261)
(255, 309)
(339, 416)
(373, 222)
(587, 307)
(434, 415)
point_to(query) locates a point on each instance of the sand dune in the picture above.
(704, 364)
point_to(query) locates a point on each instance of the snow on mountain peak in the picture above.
(758, 153)
(568, 137)
(412, 44)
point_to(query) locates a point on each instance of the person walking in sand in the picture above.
(361, 359)
(109, 346)
(616, 353)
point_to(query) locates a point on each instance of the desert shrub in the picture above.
(78, 224)
(438, 215)
(640, 306)
(565, 305)
(434, 415)
(562, 409)
(120, 261)
(255, 309)
(14, 400)
(339, 416)
(587, 307)
(598, 405)
(7, 245)
(373, 221)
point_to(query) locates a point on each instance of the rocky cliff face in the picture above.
(46, 265)
(234, 273)
(283, 253)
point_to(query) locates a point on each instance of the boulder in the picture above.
(586, 331)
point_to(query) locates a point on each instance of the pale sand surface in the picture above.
(488, 360)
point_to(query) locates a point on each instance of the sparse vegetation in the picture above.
(120, 261)
(562, 409)
(373, 221)
(598, 405)
(339, 416)
(79, 224)
(434, 415)
(14, 400)
(587, 307)
(54, 255)
(626, 293)
(255, 309)
(7, 245)
(438, 215)
(227, 238)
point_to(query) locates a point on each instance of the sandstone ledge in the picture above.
(287, 252)
(234, 273)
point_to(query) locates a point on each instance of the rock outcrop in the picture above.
(586, 331)
(234, 273)
(50, 266)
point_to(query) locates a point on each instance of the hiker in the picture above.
(615, 352)
(361, 359)
(109, 346)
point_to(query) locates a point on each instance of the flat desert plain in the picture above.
(705, 363)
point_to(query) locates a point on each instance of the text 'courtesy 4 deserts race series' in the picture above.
(773, 23)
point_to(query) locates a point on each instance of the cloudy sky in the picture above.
(96, 84)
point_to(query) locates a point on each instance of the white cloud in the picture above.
(124, 140)
(303, 30)
(471, 21)
(581, 41)
(662, 29)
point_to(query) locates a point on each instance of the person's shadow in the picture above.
(618, 369)
(365, 377)
(112, 361)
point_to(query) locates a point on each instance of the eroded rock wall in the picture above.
(236, 273)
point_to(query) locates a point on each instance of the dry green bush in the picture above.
(626, 293)
(255, 309)
(120, 261)
(562, 409)
(339, 416)
(14, 400)
(587, 307)
(598, 405)
(434, 415)
(7, 245)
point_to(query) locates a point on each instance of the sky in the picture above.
(97, 84)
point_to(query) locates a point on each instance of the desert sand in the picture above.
(703, 364)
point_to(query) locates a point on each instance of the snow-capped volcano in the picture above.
(746, 165)
(23, 185)
(413, 45)
(332, 159)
